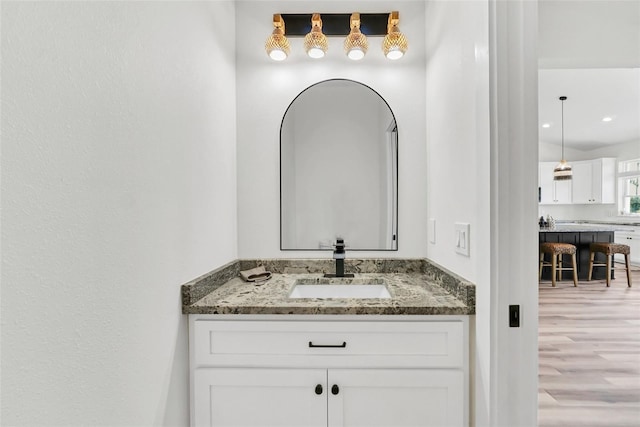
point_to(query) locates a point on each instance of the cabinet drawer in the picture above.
(328, 343)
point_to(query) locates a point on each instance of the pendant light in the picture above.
(563, 170)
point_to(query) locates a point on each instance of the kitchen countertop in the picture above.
(428, 291)
(580, 228)
(632, 222)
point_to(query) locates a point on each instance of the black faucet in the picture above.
(339, 254)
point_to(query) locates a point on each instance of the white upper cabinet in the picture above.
(552, 192)
(594, 181)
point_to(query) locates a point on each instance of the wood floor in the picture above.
(589, 353)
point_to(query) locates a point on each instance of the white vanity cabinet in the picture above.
(329, 370)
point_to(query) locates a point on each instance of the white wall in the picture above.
(623, 151)
(457, 134)
(458, 165)
(552, 152)
(118, 185)
(265, 89)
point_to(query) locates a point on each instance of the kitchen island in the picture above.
(580, 235)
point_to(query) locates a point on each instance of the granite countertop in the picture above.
(427, 290)
(580, 228)
(630, 221)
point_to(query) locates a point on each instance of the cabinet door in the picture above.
(259, 397)
(545, 182)
(633, 242)
(605, 187)
(552, 192)
(396, 397)
(582, 186)
(594, 181)
(562, 191)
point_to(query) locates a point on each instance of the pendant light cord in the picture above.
(562, 128)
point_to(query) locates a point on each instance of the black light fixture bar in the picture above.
(335, 24)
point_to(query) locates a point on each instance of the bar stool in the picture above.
(609, 249)
(557, 250)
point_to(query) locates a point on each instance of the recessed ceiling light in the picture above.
(607, 119)
(546, 125)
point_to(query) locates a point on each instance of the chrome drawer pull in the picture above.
(312, 345)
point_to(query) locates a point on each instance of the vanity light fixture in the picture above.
(607, 119)
(395, 43)
(315, 42)
(563, 170)
(356, 27)
(356, 44)
(277, 45)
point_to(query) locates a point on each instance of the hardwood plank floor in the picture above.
(589, 353)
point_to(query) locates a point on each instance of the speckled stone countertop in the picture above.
(417, 287)
(630, 221)
(580, 228)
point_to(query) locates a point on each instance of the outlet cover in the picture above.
(461, 238)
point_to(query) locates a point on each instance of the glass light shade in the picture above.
(395, 44)
(278, 55)
(562, 172)
(277, 46)
(315, 43)
(356, 54)
(356, 45)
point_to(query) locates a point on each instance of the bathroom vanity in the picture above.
(259, 356)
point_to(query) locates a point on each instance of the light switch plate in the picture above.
(461, 238)
(432, 230)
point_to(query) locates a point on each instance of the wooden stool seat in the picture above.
(609, 249)
(556, 250)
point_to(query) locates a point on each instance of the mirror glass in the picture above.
(338, 169)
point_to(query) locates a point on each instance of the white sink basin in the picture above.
(329, 290)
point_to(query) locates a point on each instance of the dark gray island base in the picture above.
(581, 240)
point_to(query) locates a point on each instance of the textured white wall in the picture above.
(118, 185)
(265, 89)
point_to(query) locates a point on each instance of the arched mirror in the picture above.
(338, 169)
